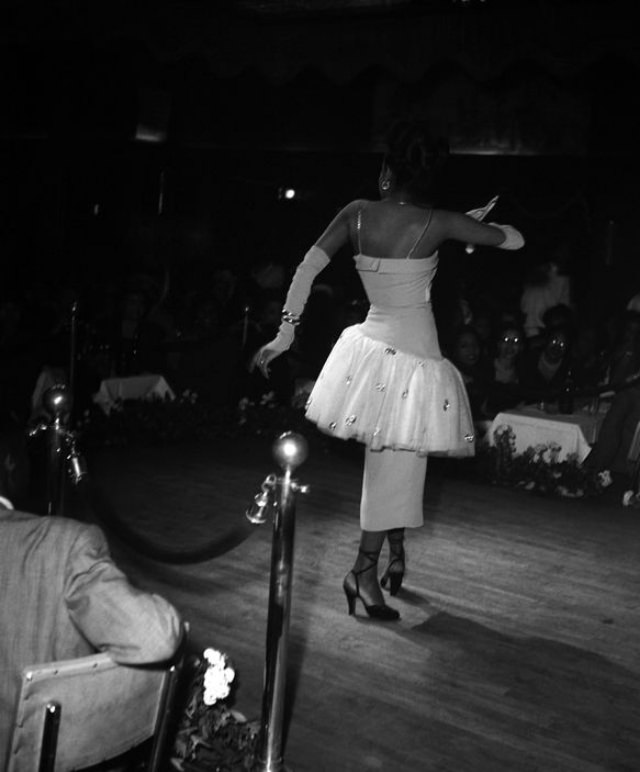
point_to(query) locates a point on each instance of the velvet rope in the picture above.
(96, 501)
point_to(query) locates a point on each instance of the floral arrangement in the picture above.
(209, 732)
(539, 468)
(156, 420)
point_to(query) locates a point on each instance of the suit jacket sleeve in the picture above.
(135, 627)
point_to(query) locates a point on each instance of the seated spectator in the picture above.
(466, 355)
(545, 371)
(504, 391)
(509, 349)
(63, 596)
(546, 286)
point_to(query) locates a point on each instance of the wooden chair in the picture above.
(633, 458)
(80, 712)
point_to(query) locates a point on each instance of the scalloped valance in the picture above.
(564, 39)
(542, 78)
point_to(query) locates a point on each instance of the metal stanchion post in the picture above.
(73, 346)
(290, 450)
(57, 402)
(63, 457)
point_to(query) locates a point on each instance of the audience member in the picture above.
(504, 391)
(64, 597)
(509, 349)
(545, 371)
(546, 286)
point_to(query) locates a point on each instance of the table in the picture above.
(574, 433)
(133, 387)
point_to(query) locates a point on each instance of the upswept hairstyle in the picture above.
(414, 155)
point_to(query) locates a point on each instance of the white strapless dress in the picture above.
(385, 382)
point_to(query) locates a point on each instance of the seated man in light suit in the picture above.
(63, 596)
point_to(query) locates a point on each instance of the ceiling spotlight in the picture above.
(287, 194)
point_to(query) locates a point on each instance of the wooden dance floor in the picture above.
(518, 644)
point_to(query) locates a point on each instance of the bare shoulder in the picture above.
(355, 206)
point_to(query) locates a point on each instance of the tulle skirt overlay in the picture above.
(386, 398)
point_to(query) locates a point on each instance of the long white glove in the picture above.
(479, 214)
(513, 239)
(313, 262)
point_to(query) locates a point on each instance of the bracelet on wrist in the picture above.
(290, 318)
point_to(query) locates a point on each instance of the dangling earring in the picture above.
(385, 184)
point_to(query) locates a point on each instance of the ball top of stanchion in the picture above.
(290, 450)
(57, 399)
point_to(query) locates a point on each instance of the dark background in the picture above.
(146, 136)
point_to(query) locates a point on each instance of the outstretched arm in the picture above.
(465, 228)
(336, 235)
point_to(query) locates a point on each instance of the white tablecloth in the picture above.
(133, 387)
(574, 433)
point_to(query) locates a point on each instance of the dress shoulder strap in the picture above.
(359, 227)
(420, 237)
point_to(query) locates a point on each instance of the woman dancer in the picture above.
(385, 382)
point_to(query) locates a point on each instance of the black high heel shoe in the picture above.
(393, 577)
(394, 573)
(351, 588)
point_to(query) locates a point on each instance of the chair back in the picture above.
(80, 712)
(633, 455)
(633, 459)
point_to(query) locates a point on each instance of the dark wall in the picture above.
(100, 208)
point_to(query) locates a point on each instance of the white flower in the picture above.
(217, 678)
(631, 499)
(268, 399)
(214, 658)
(604, 478)
(554, 452)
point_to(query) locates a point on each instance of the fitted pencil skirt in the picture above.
(392, 489)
